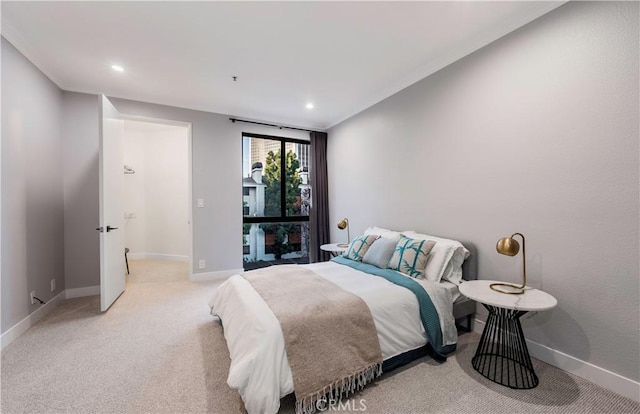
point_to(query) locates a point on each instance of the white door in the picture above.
(112, 262)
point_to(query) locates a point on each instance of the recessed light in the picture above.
(117, 68)
(309, 105)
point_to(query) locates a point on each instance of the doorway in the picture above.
(157, 210)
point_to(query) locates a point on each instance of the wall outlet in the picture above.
(53, 285)
(201, 264)
(33, 295)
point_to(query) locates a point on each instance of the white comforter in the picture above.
(259, 367)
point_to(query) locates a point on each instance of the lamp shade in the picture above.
(508, 246)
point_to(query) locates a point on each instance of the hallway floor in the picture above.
(152, 271)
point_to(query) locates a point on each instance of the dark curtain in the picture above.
(319, 217)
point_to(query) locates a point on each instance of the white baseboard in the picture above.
(213, 276)
(82, 292)
(158, 256)
(21, 327)
(593, 373)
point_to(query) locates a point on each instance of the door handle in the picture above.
(109, 228)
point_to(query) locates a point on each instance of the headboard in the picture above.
(470, 266)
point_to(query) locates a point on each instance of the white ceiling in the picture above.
(342, 56)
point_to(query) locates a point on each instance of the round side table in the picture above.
(335, 249)
(502, 354)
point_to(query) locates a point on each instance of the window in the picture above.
(275, 200)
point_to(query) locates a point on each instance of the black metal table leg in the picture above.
(502, 355)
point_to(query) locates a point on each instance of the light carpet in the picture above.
(157, 350)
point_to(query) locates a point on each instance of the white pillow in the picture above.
(445, 260)
(453, 272)
(384, 233)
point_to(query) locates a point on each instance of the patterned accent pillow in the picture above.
(410, 256)
(359, 246)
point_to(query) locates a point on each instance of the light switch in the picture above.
(200, 202)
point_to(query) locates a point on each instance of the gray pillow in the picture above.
(380, 252)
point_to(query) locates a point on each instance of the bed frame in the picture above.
(463, 310)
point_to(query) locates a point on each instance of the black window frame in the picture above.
(283, 218)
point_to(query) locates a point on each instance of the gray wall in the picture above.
(536, 133)
(81, 198)
(217, 178)
(32, 203)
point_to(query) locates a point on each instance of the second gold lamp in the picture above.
(510, 247)
(344, 224)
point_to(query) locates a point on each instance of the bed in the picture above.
(260, 358)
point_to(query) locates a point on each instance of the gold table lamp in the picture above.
(510, 247)
(344, 224)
